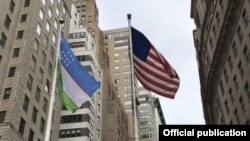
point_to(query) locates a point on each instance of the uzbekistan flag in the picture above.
(74, 83)
(151, 68)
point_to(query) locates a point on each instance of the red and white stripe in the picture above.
(156, 74)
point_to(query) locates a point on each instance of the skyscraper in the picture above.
(147, 117)
(85, 124)
(116, 41)
(159, 117)
(115, 124)
(222, 42)
(29, 32)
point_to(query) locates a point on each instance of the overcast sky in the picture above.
(167, 24)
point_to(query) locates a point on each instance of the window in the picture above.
(55, 24)
(226, 104)
(213, 29)
(235, 51)
(98, 132)
(41, 13)
(20, 34)
(239, 33)
(76, 132)
(237, 116)
(7, 92)
(116, 54)
(240, 67)
(29, 82)
(23, 18)
(52, 52)
(128, 102)
(229, 60)
(57, 11)
(217, 17)
(47, 26)
(45, 41)
(231, 95)
(15, 52)
(89, 24)
(40, 76)
(78, 44)
(43, 58)
(246, 54)
(33, 63)
(78, 35)
(63, 10)
(42, 125)
(26, 3)
(36, 45)
(31, 135)
(211, 42)
(2, 116)
(7, 22)
(245, 17)
(12, 6)
(236, 82)
(54, 38)
(12, 71)
(242, 104)
(38, 29)
(47, 87)
(45, 104)
(3, 39)
(50, 13)
(225, 75)
(26, 103)
(22, 126)
(50, 67)
(38, 93)
(34, 114)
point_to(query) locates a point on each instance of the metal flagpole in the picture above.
(52, 93)
(133, 79)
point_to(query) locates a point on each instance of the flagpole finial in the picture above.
(129, 16)
(61, 21)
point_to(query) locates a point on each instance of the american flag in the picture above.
(151, 68)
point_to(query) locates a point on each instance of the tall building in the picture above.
(116, 42)
(115, 119)
(147, 117)
(222, 42)
(114, 116)
(159, 116)
(88, 18)
(84, 124)
(29, 32)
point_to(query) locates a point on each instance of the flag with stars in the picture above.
(74, 83)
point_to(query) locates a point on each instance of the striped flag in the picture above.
(151, 68)
(74, 83)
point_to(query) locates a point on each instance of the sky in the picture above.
(168, 26)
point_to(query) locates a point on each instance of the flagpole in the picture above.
(133, 79)
(53, 89)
